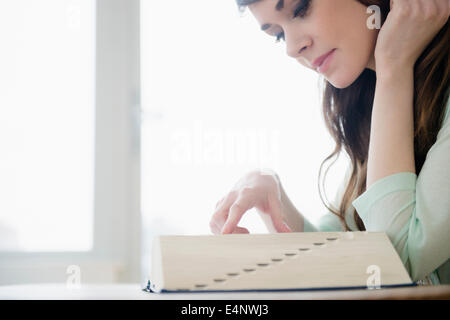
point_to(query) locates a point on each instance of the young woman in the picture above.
(386, 104)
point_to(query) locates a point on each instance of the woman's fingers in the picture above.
(238, 230)
(255, 189)
(241, 230)
(444, 7)
(237, 210)
(221, 213)
(214, 227)
(230, 210)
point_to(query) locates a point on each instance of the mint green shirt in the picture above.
(414, 211)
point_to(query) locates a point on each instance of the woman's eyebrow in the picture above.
(265, 26)
(279, 6)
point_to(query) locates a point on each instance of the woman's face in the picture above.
(324, 25)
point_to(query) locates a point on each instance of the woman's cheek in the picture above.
(339, 74)
(347, 68)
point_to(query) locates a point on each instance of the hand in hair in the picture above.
(409, 27)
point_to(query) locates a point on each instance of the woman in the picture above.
(386, 103)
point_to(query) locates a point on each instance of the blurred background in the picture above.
(124, 119)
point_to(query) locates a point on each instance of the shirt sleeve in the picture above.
(414, 211)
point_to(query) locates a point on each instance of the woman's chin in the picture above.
(339, 83)
(342, 81)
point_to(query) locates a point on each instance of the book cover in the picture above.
(275, 262)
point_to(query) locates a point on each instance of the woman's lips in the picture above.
(318, 62)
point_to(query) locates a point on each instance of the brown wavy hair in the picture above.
(347, 114)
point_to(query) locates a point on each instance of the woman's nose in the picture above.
(295, 47)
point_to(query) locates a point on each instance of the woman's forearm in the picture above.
(291, 215)
(409, 28)
(391, 147)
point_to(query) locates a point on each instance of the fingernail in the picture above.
(287, 227)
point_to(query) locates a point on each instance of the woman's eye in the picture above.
(301, 9)
(279, 36)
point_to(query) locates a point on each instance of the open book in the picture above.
(281, 261)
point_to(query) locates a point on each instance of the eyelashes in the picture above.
(299, 11)
(279, 37)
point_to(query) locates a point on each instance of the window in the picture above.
(47, 113)
(70, 140)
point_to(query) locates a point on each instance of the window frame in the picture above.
(117, 219)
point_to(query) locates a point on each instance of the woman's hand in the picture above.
(256, 189)
(409, 27)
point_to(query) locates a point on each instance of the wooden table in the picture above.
(134, 292)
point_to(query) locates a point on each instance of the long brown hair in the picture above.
(347, 114)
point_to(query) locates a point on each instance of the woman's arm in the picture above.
(409, 27)
(412, 210)
(391, 147)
